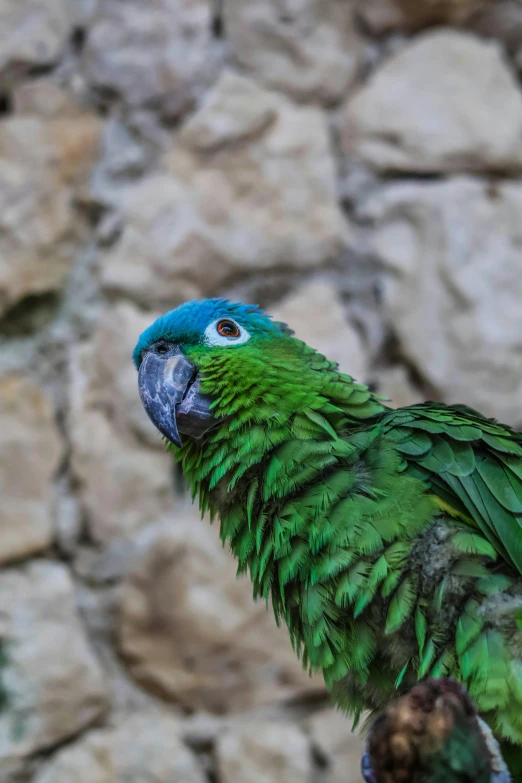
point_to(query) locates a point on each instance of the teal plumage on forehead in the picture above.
(187, 323)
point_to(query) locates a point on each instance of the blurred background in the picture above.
(354, 167)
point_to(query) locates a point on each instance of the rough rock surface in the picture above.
(44, 99)
(143, 748)
(42, 161)
(502, 20)
(249, 185)
(33, 33)
(119, 459)
(448, 246)
(328, 331)
(424, 110)
(380, 16)
(54, 683)
(338, 747)
(158, 54)
(190, 630)
(353, 166)
(307, 49)
(30, 451)
(265, 751)
(383, 16)
(394, 383)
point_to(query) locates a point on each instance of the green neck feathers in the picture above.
(271, 393)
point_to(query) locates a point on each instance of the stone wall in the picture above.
(356, 167)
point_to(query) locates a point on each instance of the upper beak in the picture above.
(169, 391)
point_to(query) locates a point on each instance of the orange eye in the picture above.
(228, 329)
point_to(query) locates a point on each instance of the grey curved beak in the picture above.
(169, 392)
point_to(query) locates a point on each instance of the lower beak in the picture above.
(169, 391)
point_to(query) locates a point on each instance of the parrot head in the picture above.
(194, 359)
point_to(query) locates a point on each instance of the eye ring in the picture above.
(226, 332)
(229, 329)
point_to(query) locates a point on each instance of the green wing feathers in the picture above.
(473, 466)
(472, 463)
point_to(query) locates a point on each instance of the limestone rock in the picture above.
(125, 476)
(423, 12)
(143, 748)
(30, 450)
(43, 98)
(434, 107)
(380, 17)
(84, 10)
(308, 49)
(201, 729)
(383, 16)
(54, 683)
(190, 631)
(339, 748)
(394, 383)
(32, 33)
(316, 314)
(42, 162)
(157, 54)
(455, 287)
(502, 20)
(265, 752)
(248, 185)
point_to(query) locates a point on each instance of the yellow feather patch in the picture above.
(453, 512)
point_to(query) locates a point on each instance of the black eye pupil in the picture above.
(162, 348)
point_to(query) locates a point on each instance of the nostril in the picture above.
(162, 348)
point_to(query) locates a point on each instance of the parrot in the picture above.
(432, 735)
(388, 541)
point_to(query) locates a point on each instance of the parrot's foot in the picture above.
(432, 732)
(369, 775)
